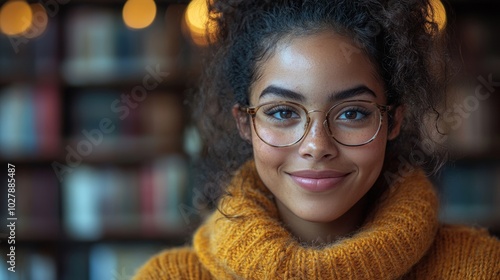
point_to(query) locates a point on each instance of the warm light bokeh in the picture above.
(39, 22)
(439, 13)
(15, 17)
(197, 19)
(138, 14)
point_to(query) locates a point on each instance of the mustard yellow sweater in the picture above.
(401, 239)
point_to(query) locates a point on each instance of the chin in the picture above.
(317, 218)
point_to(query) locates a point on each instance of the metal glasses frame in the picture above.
(252, 111)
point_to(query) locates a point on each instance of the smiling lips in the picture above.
(318, 181)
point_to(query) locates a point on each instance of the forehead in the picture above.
(317, 65)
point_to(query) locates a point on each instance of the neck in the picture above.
(320, 233)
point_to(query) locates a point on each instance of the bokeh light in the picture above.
(438, 13)
(138, 14)
(15, 17)
(39, 22)
(196, 19)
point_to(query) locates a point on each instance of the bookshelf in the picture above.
(469, 186)
(92, 114)
(123, 164)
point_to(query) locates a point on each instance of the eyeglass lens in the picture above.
(285, 123)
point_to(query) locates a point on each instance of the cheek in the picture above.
(269, 161)
(266, 155)
(369, 158)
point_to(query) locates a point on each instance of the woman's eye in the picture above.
(285, 114)
(281, 113)
(352, 115)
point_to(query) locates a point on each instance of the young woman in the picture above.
(334, 99)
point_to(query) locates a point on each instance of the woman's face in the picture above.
(318, 179)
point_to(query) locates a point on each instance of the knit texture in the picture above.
(401, 238)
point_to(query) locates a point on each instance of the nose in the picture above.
(317, 143)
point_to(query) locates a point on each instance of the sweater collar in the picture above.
(255, 245)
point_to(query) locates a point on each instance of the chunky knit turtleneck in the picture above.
(401, 238)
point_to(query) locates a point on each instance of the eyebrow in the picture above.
(281, 92)
(336, 96)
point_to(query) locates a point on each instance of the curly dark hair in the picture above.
(400, 38)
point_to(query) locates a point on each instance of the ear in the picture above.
(397, 121)
(243, 123)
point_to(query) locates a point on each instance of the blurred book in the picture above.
(101, 49)
(30, 265)
(29, 121)
(88, 108)
(29, 59)
(119, 262)
(81, 203)
(37, 197)
(164, 187)
(100, 202)
(90, 52)
(169, 190)
(163, 118)
(120, 200)
(469, 193)
(105, 124)
(75, 263)
(45, 51)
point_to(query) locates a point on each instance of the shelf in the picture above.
(174, 238)
(484, 158)
(156, 73)
(117, 201)
(122, 149)
(472, 216)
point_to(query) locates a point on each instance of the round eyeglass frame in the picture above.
(252, 111)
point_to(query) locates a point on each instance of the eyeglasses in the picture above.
(350, 123)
